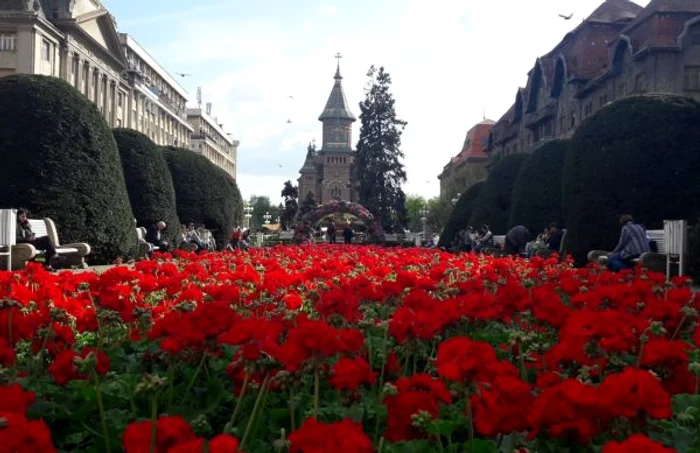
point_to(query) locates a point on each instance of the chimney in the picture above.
(208, 108)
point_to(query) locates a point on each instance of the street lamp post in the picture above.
(267, 218)
(424, 218)
(248, 214)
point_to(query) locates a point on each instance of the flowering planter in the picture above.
(360, 349)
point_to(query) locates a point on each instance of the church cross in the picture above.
(338, 56)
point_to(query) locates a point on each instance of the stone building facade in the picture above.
(621, 49)
(469, 166)
(157, 104)
(78, 41)
(211, 140)
(328, 172)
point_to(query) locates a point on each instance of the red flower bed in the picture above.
(311, 349)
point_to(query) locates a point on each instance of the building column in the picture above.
(113, 103)
(64, 62)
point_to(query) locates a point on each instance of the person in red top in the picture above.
(235, 238)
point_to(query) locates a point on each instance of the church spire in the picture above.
(337, 105)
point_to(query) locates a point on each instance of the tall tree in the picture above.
(378, 166)
(308, 205)
(290, 194)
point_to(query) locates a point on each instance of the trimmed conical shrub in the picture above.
(148, 182)
(639, 156)
(205, 194)
(461, 214)
(60, 160)
(495, 200)
(537, 191)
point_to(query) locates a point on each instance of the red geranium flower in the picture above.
(349, 374)
(170, 432)
(638, 443)
(344, 436)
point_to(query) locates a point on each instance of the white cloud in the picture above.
(449, 59)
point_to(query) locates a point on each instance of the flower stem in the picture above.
(103, 417)
(171, 384)
(256, 410)
(154, 423)
(470, 426)
(194, 377)
(317, 385)
(229, 426)
(292, 409)
(678, 329)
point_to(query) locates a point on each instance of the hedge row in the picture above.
(639, 155)
(61, 160)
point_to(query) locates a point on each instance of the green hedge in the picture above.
(462, 212)
(205, 194)
(60, 160)
(148, 182)
(639, 155)
(495, 200)
(537, 191)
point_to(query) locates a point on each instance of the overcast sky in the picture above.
(450, 60)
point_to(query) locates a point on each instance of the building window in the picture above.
(86, 79)
(603, 100)
(622, 89)
(45, 50)
(588, 109)
(8, 42)
(119, 122)
(562, 124)
(335, 192)
(692, 78)
(120, 100)
(641, 83)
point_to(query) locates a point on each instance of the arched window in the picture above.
(534, 88)
(335, 192)
(621, 51)
(559, 78)
(640, 83)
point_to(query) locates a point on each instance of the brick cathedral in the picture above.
(328, 172)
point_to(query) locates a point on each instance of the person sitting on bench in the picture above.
(633, 243)
(25, 235)
(154, 236)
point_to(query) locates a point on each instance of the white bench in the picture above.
(73, 255)
(671, 245)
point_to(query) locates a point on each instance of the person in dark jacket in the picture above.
(516, 240)
(348, 234)
(154, 236)
(25, 235)
(554, 237)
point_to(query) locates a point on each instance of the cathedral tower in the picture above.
(328, 173)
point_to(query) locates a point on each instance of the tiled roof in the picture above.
(615, 11)
(337, 105)
(660, 23)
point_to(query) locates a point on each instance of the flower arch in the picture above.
(302, 232)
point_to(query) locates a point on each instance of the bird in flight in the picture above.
(291, 97)
(183, 75)
(566, 17)
(280, 165)
(289, 121)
